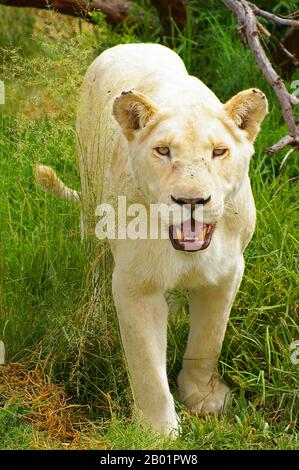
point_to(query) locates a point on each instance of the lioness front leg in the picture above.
(200, 387)
(143, 326)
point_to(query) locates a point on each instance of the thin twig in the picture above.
(278, 44)
(286, 140)
(274, 18)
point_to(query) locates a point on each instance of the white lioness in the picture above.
(151, 132)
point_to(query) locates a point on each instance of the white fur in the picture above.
(117, 158)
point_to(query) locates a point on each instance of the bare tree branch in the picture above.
(115, 11)
(249, 24)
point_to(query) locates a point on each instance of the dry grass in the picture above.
(44, 404)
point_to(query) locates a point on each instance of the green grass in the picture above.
(244, 431)
(45, 308)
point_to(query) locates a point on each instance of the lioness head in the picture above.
(193, 152)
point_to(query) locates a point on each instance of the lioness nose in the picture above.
(192, 201)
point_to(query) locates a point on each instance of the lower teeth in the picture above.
(199, 237)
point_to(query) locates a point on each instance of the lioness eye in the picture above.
(219, 152)
(165, 151)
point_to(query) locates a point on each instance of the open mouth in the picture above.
(191, 235)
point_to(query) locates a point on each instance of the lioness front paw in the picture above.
(213, 398)
(167, 428)
(166, 423)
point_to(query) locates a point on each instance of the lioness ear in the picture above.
(248, 109)
(133, 110)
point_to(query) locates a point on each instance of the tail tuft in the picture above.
(48, 180)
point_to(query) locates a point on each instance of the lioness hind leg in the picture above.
(200, 387)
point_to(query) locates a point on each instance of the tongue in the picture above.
(192, 230)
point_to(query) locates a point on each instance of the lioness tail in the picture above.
(48, 180)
